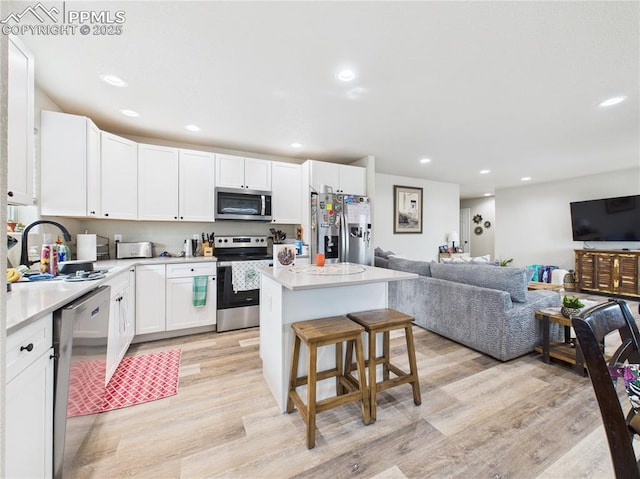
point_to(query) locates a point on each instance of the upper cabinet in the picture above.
(119, 177)
(157, 182)
(196, 189)
(286, 193)
(175, 184)
(342, 178)
(20, 124)
(238, 172)
(70, 155)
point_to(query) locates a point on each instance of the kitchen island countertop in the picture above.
(30, 300)
(332, 275)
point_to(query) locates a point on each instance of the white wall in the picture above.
(533, 222)
(440, 205)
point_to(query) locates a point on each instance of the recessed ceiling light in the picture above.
(425, 160)
(487, 194)
(525, 178)
(295, 144)
(346, 75)
(113, 80)
(613, 101)
(484, 172)
(192, 128)
(131, 113)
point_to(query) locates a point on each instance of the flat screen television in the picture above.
(607, 219)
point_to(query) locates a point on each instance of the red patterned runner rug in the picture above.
(138, 379)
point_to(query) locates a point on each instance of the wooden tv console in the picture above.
(608, 271)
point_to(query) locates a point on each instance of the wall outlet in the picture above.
(117, 238)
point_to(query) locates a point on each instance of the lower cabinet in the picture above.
(121, 321)
(29, 401)
(174, 282)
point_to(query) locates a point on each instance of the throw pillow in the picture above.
(422, 268)
(512, 280)
(381, 253)
(486, 259)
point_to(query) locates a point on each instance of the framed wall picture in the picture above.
(407, 209)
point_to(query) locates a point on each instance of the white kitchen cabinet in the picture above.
(157, 182)
(118, 177)
(121, 321)
(196, 189)
(175, 184)
(342, 178)
(20, 124)
(286, 199)
(181, 313)
(238, 172)
(150, 294)
(70, 155)
(29, 401)
(164, 295)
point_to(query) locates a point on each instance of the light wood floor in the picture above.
(479, 418)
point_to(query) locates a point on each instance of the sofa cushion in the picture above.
(380, 262)
(512, 280)
(422, 268)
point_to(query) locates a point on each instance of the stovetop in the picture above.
(241, 248)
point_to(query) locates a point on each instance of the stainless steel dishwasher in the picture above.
(80, 332)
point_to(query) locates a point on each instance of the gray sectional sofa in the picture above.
(487, 308)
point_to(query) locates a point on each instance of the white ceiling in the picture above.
(513, 87)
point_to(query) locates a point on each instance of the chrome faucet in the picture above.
(24, 257)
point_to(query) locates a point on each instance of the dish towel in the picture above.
(245, 275)
(200, 290)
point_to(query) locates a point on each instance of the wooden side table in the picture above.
(535, 285)
(567, 351)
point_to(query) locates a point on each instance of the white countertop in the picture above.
(338, 274)
(30, 300)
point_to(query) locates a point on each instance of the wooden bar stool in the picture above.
(323, 332)
(383, 321)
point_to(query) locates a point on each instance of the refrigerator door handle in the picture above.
(344, 233)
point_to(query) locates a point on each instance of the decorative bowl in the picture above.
(569, 312)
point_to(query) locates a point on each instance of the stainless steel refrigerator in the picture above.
(341, 228)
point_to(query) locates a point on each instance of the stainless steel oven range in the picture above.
(238, 282)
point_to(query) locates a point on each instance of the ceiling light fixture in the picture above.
(613, 101)
(192, 128)
(113, 80)
(424, 161)
(131, 113)
(484, 172)
(487, 194)
(295, 144)
(525, 178)
(346, 75)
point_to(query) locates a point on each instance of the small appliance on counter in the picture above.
(141, 249)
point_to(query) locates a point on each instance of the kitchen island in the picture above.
(290, 294)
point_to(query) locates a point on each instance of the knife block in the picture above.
(207, 250)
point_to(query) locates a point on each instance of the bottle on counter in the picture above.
(49, 259)
(64, 253)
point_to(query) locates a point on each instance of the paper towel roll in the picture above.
(86, 247)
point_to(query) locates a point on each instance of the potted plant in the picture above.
(571, 305)
(506, 262)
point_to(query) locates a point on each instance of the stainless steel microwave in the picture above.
(239, 204)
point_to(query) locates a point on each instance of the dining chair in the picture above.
(591, 326)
